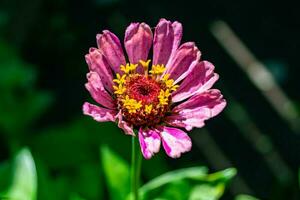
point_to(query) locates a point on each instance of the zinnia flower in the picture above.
(173, 91)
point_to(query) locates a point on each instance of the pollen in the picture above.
(143, 99)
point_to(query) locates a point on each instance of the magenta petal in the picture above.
(197, 109)
(166, 40)
(138, 41)
(97, 63)
(149, 142)
(200, 79)
(175, 141)
(109, 44)
(128, 129)
(98, 113)
(96, 89)
(188, 119)
(183, 62)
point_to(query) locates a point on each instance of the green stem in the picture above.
(136, 160)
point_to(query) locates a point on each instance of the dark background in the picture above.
(42, 76)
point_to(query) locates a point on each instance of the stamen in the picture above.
(120, 89)
(145, 65)
(131, 104)
(148, 108)
(164, 97)
(157, 69)
(132, 67)
(120, 79)
(169, 82)
(125, 68)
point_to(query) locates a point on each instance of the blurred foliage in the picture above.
(21, 181)
(190, 183)
(245, 197)
(117, 174)
(20, 103)
(22, 178)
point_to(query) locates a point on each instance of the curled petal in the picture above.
(96, 89)
(183, 62)
(98, 113)
(149, 142)
(197, 109)
(98, 63)
(128, 129)
(138, 41)
(175, 141)
(109, 44)
(166, 40)
(200, 79)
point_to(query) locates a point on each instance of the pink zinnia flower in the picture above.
(174, 92)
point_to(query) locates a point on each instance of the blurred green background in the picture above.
(42, 76)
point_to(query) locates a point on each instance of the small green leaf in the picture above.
(222, 176)
(117, 174)
(207, 192)
(245, 197)
(194, 173)
(24, 181)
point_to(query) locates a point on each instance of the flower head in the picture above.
(160, 96)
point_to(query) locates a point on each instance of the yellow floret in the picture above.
(120, 89)
(120, 79)
(164, 97)
(145, 64)
(129, 67)
(174, 87)
(125, 68)
(157, 69)
(148, 108)
(165, 77)
(131, 104)
(169, 82)
(132, 67)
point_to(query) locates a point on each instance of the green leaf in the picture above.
(213, 184)
(223, 176)
(245, 197)
(117, 174)
(207, 192)
(176, 191)
(24, 181)
(188, 173)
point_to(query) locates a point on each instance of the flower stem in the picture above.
(136, 161)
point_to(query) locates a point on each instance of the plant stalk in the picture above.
(136, 161)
